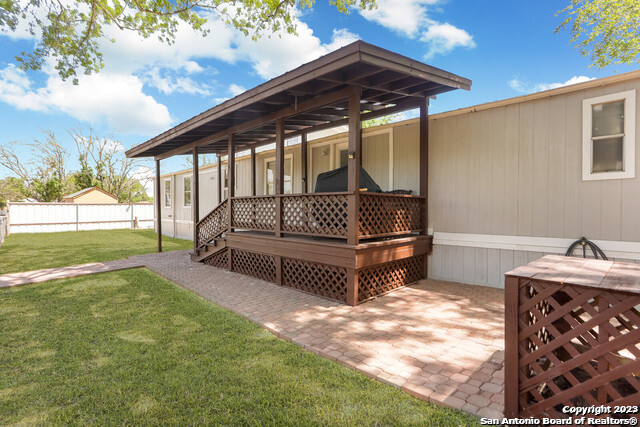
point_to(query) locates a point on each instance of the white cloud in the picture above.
(235, 89)
(283, 52)
(116, 99)
(402, 16)
(116, 95)
(443, 38)
(525, 87)
(169, 81)
(410, 18)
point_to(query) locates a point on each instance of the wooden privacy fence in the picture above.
(572, 337)
(50, 217)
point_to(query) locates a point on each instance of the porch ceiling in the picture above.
(390, 82)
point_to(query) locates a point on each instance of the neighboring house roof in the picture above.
(85, 191)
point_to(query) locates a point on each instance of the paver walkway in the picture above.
(440, 341)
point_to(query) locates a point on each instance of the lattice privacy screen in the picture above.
(577, 346)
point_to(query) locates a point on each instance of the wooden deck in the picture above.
(301, 241)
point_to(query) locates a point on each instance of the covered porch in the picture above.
(350, 245)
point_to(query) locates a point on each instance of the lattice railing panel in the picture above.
(322, 215)
(387, 214)
(254, 264)
(213, 225)
(578, 346)
(254, 213)
(319, 279)
(219, 259)
(382, 278)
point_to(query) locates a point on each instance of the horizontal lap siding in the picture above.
(516, 170)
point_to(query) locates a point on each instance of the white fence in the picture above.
(50, 217)
(3, 228)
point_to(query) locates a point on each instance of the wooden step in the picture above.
(209, 249)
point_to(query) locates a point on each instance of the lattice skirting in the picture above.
(577, 347)
(319, 279)
(218, 259)
(261, 266)
(383, 278)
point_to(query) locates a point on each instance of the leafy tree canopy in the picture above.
(70, 31)
(12, 189)
(606, 30)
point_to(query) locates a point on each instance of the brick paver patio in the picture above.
(440, 341)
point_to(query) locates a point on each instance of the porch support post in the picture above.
(195, 201)
(279, 178)
(353, 167)
(424, 176)
(158, 207)
(279, 189)
(231, 163)
(219, 159)
(253, 171)
(304, 160)
(424, 160)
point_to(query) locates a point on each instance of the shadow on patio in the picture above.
(440, 341)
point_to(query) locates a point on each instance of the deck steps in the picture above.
(209, 249)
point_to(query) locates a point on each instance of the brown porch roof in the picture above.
(312, 96)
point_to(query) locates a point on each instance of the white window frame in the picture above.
(167, 205)
(184, 191)
(266, 171)
(628, 140)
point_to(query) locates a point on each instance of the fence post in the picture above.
(77, 217)
(511, 380)
(133, 225)
(8, 229)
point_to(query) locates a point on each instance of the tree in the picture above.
(382, 120)
(113, 171)
(45, 176)
(607, 30)
(12, 189)
(102, 164)
(70, 31)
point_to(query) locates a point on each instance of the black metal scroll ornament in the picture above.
(585, 242)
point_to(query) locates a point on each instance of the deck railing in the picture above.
(383, 214)
(213, 225)
(317, 214)
(326, 214)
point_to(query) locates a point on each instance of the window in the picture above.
(187, 191)
(271, 176)
(608, 145)
(167, 193)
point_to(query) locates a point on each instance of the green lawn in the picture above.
(33, 251)
(129, 347)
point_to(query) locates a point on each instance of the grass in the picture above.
(129, 347)
(27, 251)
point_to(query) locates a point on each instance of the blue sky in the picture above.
(506, 47)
